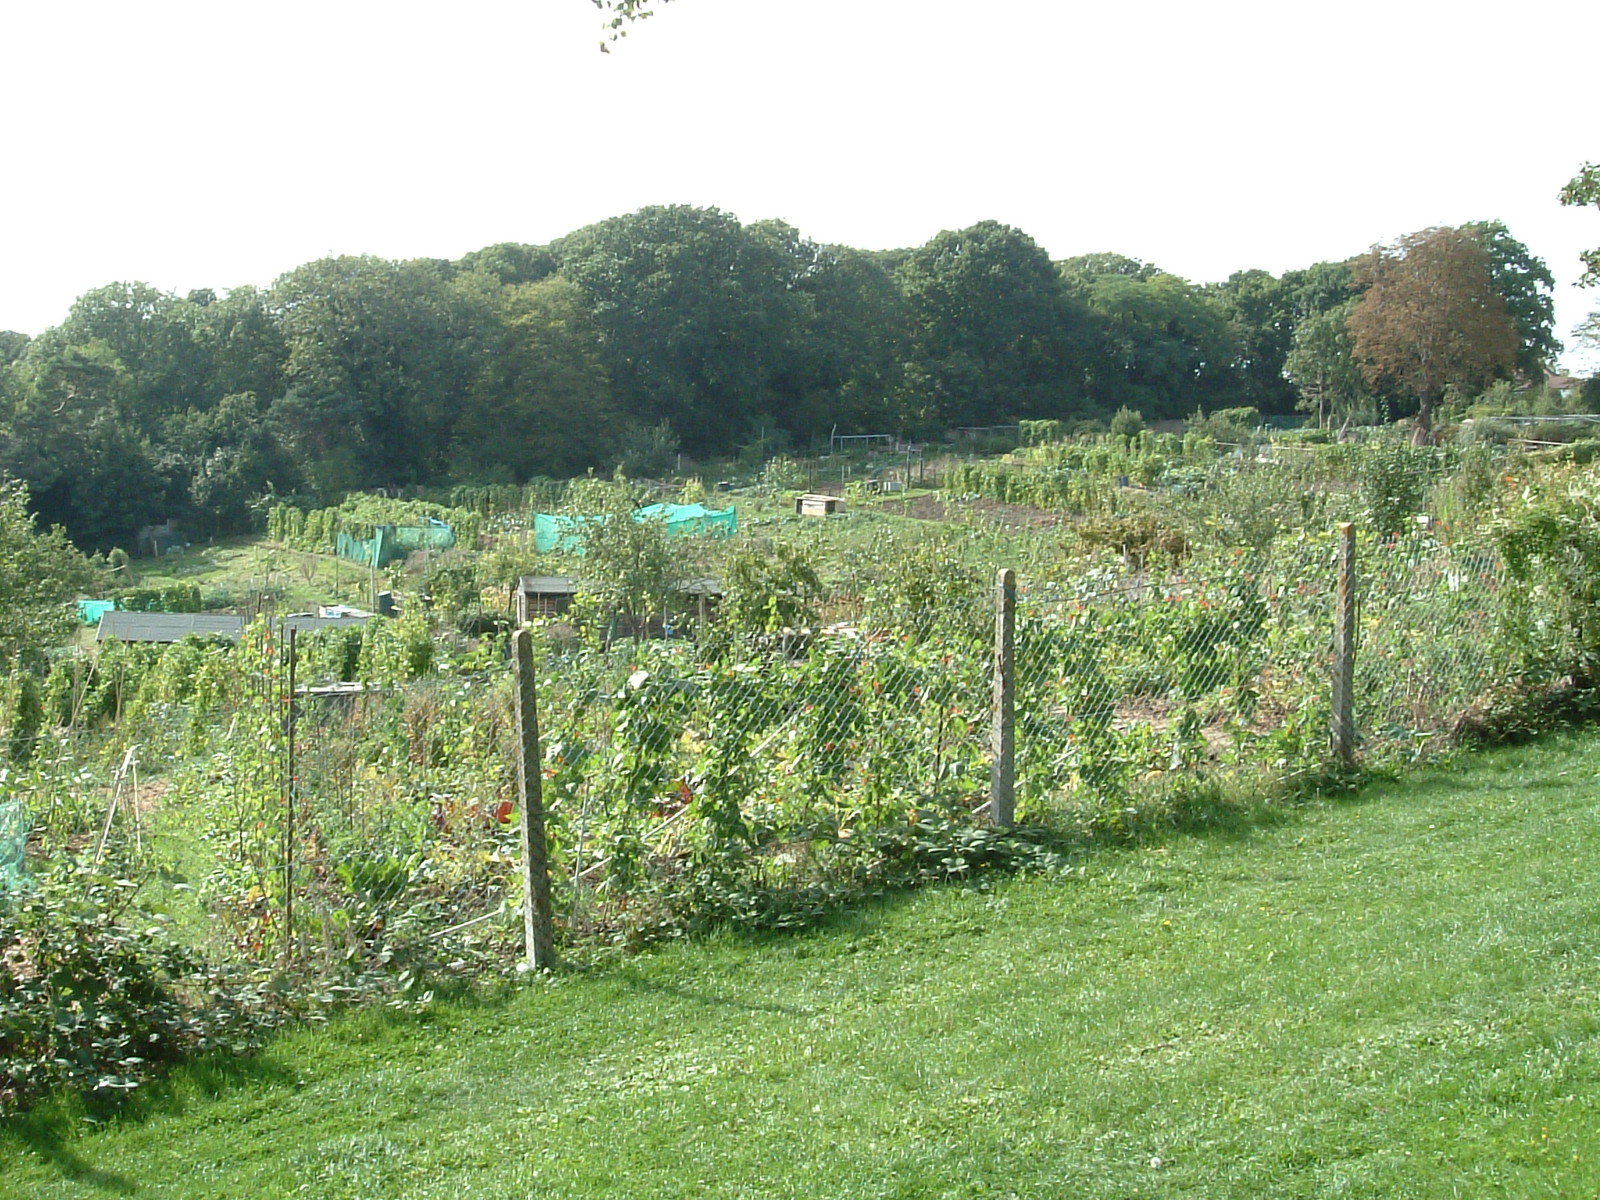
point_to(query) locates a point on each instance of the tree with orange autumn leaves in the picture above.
(1430, 317)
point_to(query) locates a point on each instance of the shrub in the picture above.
(95, 995)
(1127, 423)
(1551, 548)
(772, 589)
(1394, 480)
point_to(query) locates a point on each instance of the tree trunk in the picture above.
(1423, 434)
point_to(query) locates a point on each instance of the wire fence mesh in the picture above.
(755, 774)
(1429, 642)
(1129, 674)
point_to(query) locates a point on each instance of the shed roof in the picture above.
(174, 627)
(167, 627)
(548, 585)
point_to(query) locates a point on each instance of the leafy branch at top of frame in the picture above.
(620, 14)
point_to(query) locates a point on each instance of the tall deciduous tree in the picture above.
(542, 404)
(1431, 317)
(992, 326)
(39, 572)
(1258, 307)
(151, 333)
(1163, 346)
(1322, 365)
(1524, 281)
(696, 315)
(1583, 189)
(844, 358)
(379, 355)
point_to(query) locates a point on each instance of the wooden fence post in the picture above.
(538, 926)
(1002, 740)
(289, 813)
(1344, 653)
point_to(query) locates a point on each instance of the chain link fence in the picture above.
(1129, 676)
(1429, 642)
(346, 826)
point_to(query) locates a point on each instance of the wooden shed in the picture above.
(815, 504)
(543, 596)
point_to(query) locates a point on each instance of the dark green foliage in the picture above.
(1394, 481)
(670, 328)
(771, 589)
(1525, 283)
(695, 314)
(1127, 423)
(96, 996)
(995, 331)
(177, 598)
(1551, 546)
(39, 572)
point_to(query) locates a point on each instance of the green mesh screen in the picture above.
(391, 542)
(552, 532)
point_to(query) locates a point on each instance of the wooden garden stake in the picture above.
(289, 814)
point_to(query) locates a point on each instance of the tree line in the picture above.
(681, 329)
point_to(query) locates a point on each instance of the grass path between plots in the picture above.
(1394, 994)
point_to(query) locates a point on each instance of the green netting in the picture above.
(391, 542)
(13, 843)
(90, 611)
(552, 532)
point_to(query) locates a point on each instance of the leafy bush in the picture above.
(1551, 547)
(1127, 423)
(1394, 481)
(772, 589)
(1137, 537)
(647, 450)
(1225, 424)
(176, 598)
(96, 996)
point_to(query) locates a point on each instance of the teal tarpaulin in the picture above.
(391, 542)
(90, 611)
(551, 532)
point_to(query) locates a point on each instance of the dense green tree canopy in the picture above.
(993, 329)
(1163, 347)
(39, 572)
(1322, 365)
(380, 355)
(1526, 285)
(542, 405)
(695, 315)
(673, 328)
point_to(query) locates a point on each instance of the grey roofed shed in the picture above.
(167, 627)
(544, 596)
(174, 627)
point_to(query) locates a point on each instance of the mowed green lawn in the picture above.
(1396, 995)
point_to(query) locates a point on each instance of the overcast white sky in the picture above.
(192, 143)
